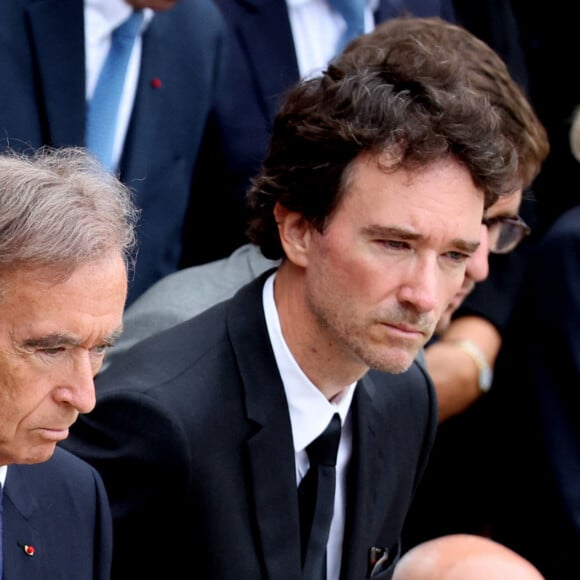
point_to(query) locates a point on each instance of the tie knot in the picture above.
(128, 29)
(350, 10)
(323, 450)
(353, 13)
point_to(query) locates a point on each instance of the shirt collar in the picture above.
(106, 15)
(310, 411)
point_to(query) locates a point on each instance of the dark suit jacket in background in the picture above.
(262, 68)
(192, 435)
(534, 435)
(548, 34)
(59, 507)
(454, 495)
(497, 24)
(42, 101)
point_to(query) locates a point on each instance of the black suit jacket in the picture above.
(548, 37)
(192, 435)
(42, 64)
(536, 395)
(261, 68)
(58, 507)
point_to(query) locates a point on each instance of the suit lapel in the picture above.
(142, 132)
(365, 478)
(58, 45)
(18, 508)
(275, 497)
(271, 449)
(166, 87)
(265, 34)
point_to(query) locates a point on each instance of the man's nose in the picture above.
(78, 386)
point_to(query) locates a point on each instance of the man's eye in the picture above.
(395, 244)
(52, 351)
(458, 257)
(100, 350)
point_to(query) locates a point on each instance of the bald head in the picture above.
(463, 557)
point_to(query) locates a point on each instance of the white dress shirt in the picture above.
(316, 29)
(310, 413)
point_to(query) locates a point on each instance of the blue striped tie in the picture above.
(104, 106)
(353, 12)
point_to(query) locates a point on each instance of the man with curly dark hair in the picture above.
(372, 196)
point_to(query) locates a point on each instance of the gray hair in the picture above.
(61, 208)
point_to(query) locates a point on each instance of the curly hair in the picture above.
(406, 104)
(486, 72)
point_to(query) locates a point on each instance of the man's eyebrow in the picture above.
(465, 245)
(405, 234)
(52, 340)
(504, 215)
(392, 231)
(58, 339)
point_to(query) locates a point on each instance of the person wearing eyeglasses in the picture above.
(459, 359)
(461, 354)
(502, 231)
(535, 438)
(505, 232)
(451, 496)
(460, 362)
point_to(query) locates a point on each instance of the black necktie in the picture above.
(316, 500)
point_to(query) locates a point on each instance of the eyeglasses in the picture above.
(505, 233)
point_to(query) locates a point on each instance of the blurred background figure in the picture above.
(546, 37)
(534, 439)
(460, 358)
(463, 557)
(51, 56)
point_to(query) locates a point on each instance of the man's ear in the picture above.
(295, 234)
